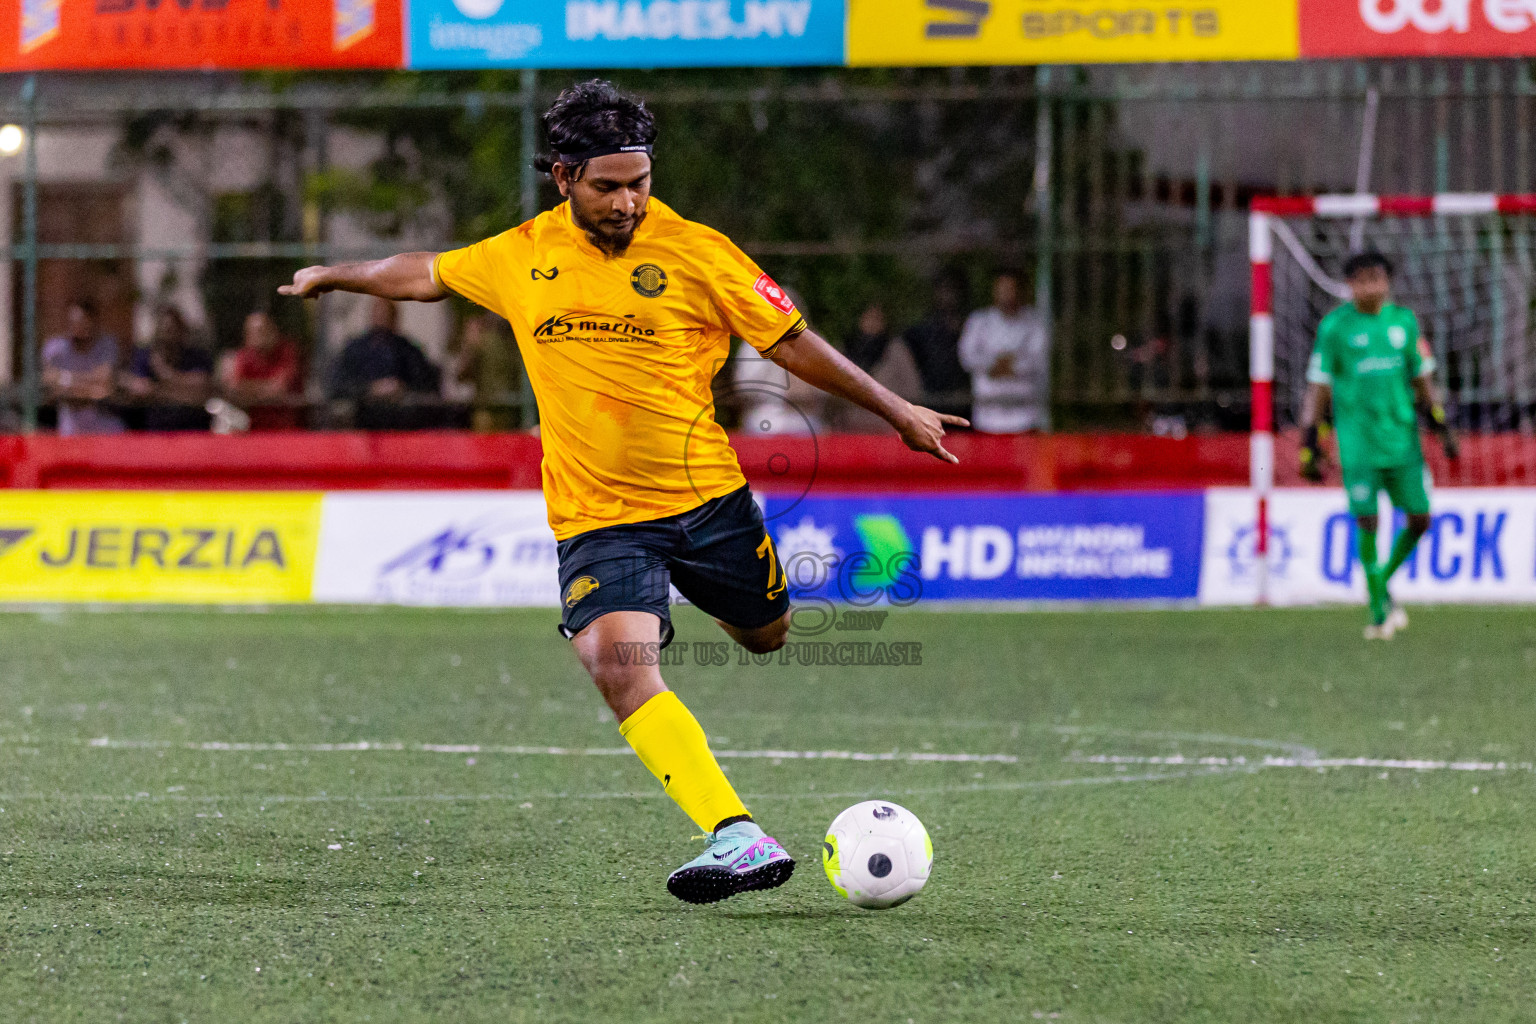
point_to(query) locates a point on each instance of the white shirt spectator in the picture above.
(1009, 359)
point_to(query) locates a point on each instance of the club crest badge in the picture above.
(649, 280)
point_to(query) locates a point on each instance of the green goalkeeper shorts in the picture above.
(1405, 485)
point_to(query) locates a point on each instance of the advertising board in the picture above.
(624, 33)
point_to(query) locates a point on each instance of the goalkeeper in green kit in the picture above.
(1370, 360)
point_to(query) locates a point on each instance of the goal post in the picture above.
(1465, 263)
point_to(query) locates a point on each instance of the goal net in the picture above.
(1466, 264)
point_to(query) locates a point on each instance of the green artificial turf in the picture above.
(149, 877)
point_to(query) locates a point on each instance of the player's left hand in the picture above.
(923, 431)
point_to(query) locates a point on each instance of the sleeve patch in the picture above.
(773, 295)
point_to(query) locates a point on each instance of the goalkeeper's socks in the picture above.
(1402, 547)
(672, 745)
(1375, 583)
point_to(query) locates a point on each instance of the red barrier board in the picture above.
(1418, 28)
(102, 35)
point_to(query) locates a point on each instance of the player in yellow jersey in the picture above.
(623, 311)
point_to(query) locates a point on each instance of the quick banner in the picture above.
(949, 32)
(1481, 546)
(624, 33)
(174, 547)
(109, 35)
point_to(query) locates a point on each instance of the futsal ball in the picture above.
(877, 854)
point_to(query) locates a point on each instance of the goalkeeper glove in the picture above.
(1448, 440)
(1312, 455)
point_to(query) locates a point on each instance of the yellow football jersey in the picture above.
(620, 353)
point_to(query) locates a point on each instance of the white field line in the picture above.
(406, 798)
(1271, 761)
(532, 751)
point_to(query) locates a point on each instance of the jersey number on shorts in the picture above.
(765, 550)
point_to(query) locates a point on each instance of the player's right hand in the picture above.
(923, 431)
(307, 283)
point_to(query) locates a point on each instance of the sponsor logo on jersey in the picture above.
(580, 587)
(544, 275)
(595, 327)
(1379, 364)
(1398, 336)
(1360, 340)
(772, 294)
(649, 280)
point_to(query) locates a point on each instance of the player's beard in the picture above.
(613, 244)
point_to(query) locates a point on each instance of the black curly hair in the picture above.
(1369, 259)
(593, 115)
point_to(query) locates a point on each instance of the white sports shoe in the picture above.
(1397, 619)
(1381, 632)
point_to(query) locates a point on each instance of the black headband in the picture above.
(572, 159)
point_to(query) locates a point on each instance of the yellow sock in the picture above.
(672, 745)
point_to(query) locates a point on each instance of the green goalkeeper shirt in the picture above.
(1370, 362)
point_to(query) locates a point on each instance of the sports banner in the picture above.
(465, 549)
(624, 33)
(180, 547)
(199, 34)
(1418, 28)
(897, 549)
(948, 32)
(1481, 546)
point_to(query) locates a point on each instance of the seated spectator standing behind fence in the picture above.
(935, 346)
(264, 377)
(486, 368)
(171, 376)
(1007, 350)
(381, 370)
(78, 371)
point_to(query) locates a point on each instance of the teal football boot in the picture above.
(740, 858)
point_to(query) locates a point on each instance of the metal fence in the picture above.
(1121, 190)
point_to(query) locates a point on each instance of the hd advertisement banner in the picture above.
(624, 33)
(104, 35)
(949, 32)
(869, 549)
(1481, 546)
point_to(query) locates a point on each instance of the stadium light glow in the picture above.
(12, 138)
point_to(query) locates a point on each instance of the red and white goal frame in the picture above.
(1263, 214)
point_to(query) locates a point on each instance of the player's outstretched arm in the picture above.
(404, 277)
(808, 356)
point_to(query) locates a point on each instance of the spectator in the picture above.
(263, 375)
(870, 337)
(171, 376)
(78, 370)
(935, 346)
(1007, 350)
(380, 369)
(486, 371)
(772, 400)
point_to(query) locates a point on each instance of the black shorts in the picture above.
(719, 556)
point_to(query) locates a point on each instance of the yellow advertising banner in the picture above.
(948, 32)
(176, 547)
